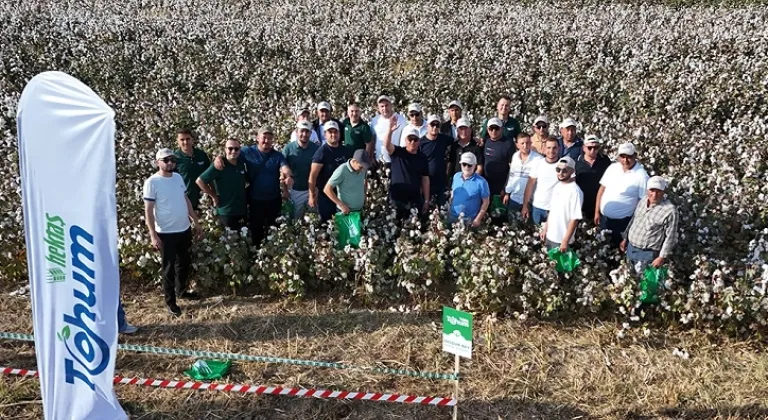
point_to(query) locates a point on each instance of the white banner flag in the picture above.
(67, 159)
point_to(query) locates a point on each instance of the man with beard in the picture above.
(590, 168)
(541, 183)
(299, 156)
(565, 208)
(327, 158)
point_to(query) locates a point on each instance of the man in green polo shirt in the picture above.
(511, 127)
(357, 133)
(190, 163)
(349, 182)
(299, 155)
(229, 196)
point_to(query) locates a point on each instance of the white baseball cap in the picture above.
(592, 139)
(657, 183)
(414, 107)
(469, 158)
(410, 131)
(304, 125)
(568, 161)
(384, 98)
(432, 118)
(495, 121)
(163, 153)
(324, 105)
(462, 122)
(541, 118)
(627, 149)
(329, 125)
(456, 103)
(568, 122)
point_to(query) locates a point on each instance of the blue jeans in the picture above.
(325, 207)
(539, 215)
(640, 258)
(120, 316)
(617, 228)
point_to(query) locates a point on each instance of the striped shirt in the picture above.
(654, 227)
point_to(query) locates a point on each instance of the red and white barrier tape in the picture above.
(260, 389)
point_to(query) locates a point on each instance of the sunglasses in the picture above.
(414, 114)
(541, 126)
(593, 147)
(559, 169)
(435, 124)
(493, 128)
(411, 140)
(169, 160)
(233, 149)
(466, 165)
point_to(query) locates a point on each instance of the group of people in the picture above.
(551, 181)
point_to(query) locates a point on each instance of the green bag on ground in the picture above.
(350, 228)
(653, 279)
(566, 262)
(287, 209)
(497, 206)
(208, 369)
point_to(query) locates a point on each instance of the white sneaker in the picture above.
(128, 329)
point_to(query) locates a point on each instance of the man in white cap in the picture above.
(299, 155)
(167, 213)
(348, 181)
(449, 127)
(409, 186)
(510, 126)
(519, 170)
(570, 145)
(541, 183)
(621, 188)
(324, 110)
(416, 119)
(590, 167)
(470, 195)
(327, 158)
(303, 115)
(565, 208)
(651, 235)
(463, 144)
(497, 154)
(436, 147)
(381, 128)
(540, 133)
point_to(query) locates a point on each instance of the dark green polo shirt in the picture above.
(510, 131)
(300, 162)
(190, 169)
(357, 137)
(230, 186)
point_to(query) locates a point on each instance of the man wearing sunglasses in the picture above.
(541, 182)
(510, 126)
(621, 188)
(409, 188)
(497, 155)
(167, 213)
(463, 144)
(470, 195)
(327, 158)
(435, 147)
(565, 208)
(590, 167)
(416, 119)
(299, 155)
(229, 195)
(190, 163)
(540, 133)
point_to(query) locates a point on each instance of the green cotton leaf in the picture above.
(65, 333)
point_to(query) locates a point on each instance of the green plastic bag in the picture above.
(653, 279)
(566, 262)
(208, 369)
(350, 228)
(497, 206)
(287, 209)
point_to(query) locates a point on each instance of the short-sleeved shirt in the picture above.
(169, 195)
(230, 186)
(468, 195)
(380, 127)
(546, 179)
(510, 130)
(566, 206)
(357, 136)
(588, 179)
(519, 172)
(300, 161)
(496, 158)
(190, 168)
(263, 172)
(331, 158)
(436, 152)
(457, 149)
(350, 186)
(407, 171)
(623, 190)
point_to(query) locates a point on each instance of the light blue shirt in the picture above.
(468, 195)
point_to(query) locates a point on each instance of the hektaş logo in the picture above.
(56, 254)
(88, 352)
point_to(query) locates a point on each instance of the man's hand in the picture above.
(658, 262)
(344, 208)
(312, 200)
(597, 219)
(543, 233)
(505, 198)
(425, 207)
(479, 141)
(198, 231)
(563, 246)
(393, 125)
(218, 163)
(524, 212)
(155, 239)
(623, 246)
(477, 222)
(215, 200)
(289, 182)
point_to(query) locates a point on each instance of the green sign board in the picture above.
(457, 332)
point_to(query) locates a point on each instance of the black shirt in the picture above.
(497, 156)
(331, 158)
(588, 179)
(457, 150)
(407, 170)
(436, 152)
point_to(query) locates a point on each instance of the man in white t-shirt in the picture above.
(565, 208)
(541, 182)
(621, 188)
(380, 126)
(519, 170)
(303, 115)
(168, 211)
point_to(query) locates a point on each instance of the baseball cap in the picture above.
(432, 118)
(304, 125)
(266, 129)
(414, 107)
(592, 139)
(462, 122)
(568, 122)
(384, 98)
(410, 131)
(361, 156)
(163, 153)
(495, 121)
(657, 183)
(469, 158)
(456, 103)
(324, 105)
(567, 161)
(329, 125)
(627, 149)
(541, 119)
(301, 111)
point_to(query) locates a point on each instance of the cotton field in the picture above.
(687, 86)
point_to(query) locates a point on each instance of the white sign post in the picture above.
(67, 161)
(457, 339)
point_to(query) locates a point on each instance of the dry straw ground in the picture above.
(520, 370)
